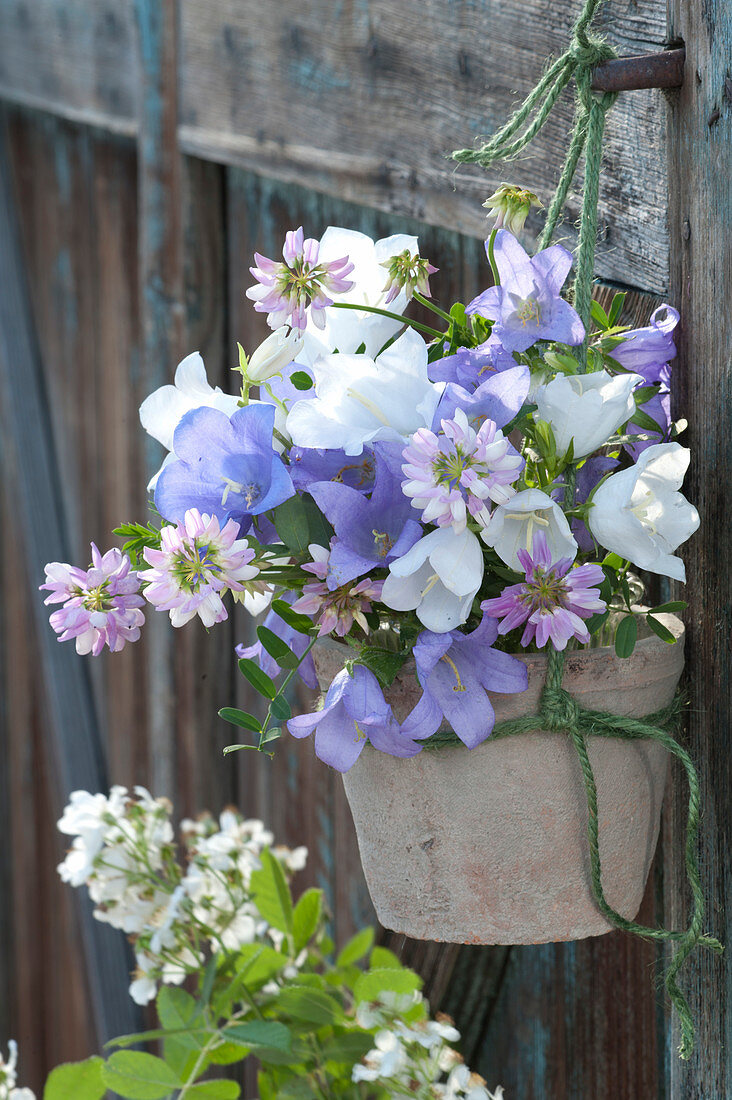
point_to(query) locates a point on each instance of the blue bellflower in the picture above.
(456, 671)
(527, 306)
(470, 367)
(368, 532)
(226, 467)
(354, 712)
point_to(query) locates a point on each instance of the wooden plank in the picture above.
(71, 721)
(71, 58)
(162, 310)
(363, 101)
(700, 139)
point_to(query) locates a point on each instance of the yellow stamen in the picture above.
(459, 686)
(368, 404)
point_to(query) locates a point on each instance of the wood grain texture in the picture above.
(74, 752)
(363, 100)
(700, 152)
(72, 58)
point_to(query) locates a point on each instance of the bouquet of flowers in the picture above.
(457, 492)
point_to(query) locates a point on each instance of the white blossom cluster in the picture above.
(8, 1077)
(123, 851)
(414, 1058)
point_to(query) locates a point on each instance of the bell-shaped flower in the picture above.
(348, 329)
(527, 306)
(470, 367)
(639, 514)
(499, 398)
(586, 408)
(456, 671)
(273, 355)
(513, 525)
(359, 400)
(438, 578)
(354, 712)
(308, 465)
(163, 410)
(647, 350)
(369, 532)
(226, 467)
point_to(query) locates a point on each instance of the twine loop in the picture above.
(559, 710)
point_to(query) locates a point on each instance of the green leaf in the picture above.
(240, 718)
(596, 622)
(626, 636)
(384, 959)
(356, 948)
(276, 648)
(280, 708)
(177, 1011)
(214, 1090)
(301, 380)
(261, 1035)
(673, 605)
(662, 631)
(646, 422)
(384, 663)
(76, 1081)
(599, 316)
(259, 680)
(306, 917)
(310, 1006)
(256, 963)
(614, 561)
(616, 308)
(347, 1048)
(139, 1076)
(271, 893)
(373, 983)
(301, 623)
(299, 522)
(645, 393)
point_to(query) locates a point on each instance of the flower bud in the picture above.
(510, 205)
(274, 354)
(409, 272)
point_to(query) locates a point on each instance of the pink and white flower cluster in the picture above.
(101, 604)
(197, 563)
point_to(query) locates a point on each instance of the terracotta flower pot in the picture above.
(489, 845)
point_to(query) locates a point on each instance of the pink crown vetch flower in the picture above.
(101, 604)
(284, 291)
(553, 600)
(458, 471)
(335, 609)
(197, 563)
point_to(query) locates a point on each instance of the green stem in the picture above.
(431, 305)
(285, 682)
(200, 1065)
(394, 316)
(492, 257)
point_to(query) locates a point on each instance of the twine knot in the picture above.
(589, 51)
(559, 710)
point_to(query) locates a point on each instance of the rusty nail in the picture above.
(653, 70)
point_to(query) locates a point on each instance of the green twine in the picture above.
(585, 52)
(560, 712)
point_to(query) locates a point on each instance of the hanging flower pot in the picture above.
(491, 845)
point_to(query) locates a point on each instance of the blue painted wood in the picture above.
(71, 720)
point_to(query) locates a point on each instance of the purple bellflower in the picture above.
(309, 464)
(354, 712)
(499, 398)
(368, 532)
(646, 350)
(456, 671)
(226, 467)
(101, 604)
(527, 306)
(297, 642)
(553, 600)
(285, 290)
(470, 367)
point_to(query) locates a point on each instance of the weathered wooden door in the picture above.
(147, 147)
